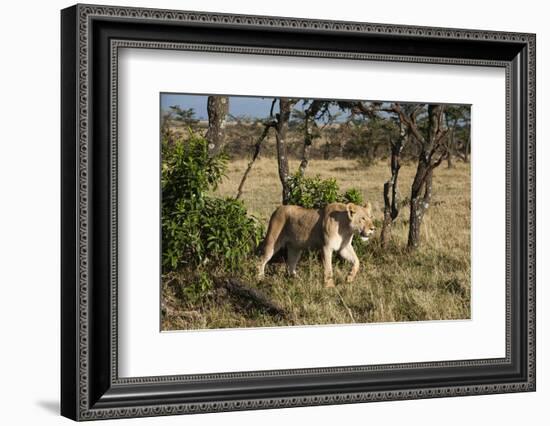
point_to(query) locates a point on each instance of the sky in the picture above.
(239, 106)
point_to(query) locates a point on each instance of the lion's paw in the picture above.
(329, 283)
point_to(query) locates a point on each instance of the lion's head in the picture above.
(361, 219)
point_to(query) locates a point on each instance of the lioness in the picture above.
(330, 229)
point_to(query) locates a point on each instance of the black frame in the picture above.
(90, 386)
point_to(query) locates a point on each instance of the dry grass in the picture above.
(432, 283)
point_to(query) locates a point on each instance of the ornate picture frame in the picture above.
(91, 386)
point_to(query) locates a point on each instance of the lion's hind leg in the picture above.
(269, 251)
(293, 255)
(273, 239)
(271, 247)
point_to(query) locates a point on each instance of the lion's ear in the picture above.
(352, 209)
(368, 208)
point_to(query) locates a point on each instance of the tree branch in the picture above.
(267, 125)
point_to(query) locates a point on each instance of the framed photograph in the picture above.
(263, 212)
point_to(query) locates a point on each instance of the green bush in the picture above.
(316, 193)
(352, 195)
(197, 229)
(188, 172)
(197, 288)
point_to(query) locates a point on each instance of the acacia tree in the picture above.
(371, 111)
(185, 116)
(432, 151)
(382, 120)
(217, 107)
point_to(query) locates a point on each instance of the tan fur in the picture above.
(329, 229)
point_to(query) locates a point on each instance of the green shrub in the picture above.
(352, 195)
(197, 229)
(188, 172)
(316, 193)
(197, 288)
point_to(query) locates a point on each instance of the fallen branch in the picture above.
(245, 293)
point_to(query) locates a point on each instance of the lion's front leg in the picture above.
(327, 264)
(348, 253)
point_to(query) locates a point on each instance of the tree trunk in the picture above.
(421, 205)
(281, 128)
(308, 141)
(218, 107)
(424, 172)
(417, 205)
(391, 208)
(385, 235)
(326, 150)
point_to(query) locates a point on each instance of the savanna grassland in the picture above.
(393, 284)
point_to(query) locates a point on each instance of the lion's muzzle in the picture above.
(366, 234)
